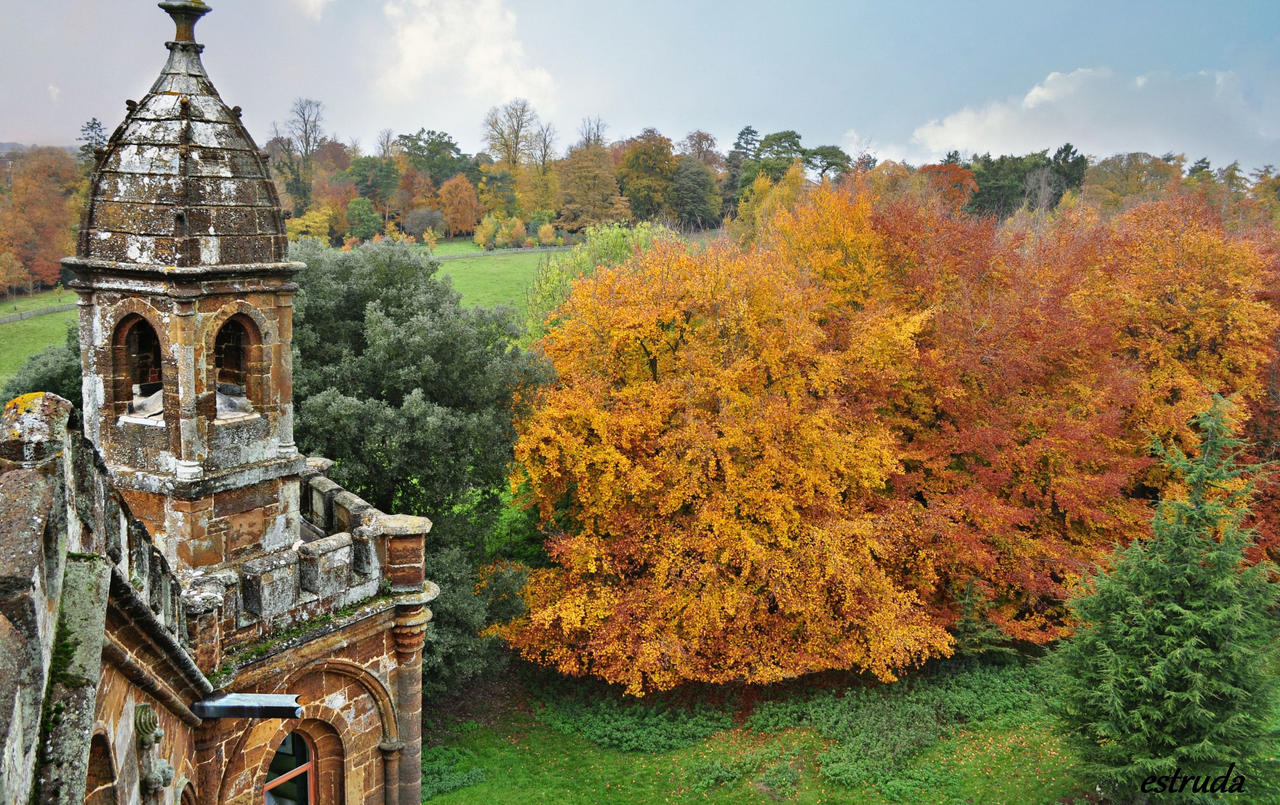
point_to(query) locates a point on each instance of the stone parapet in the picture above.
(68, 543)
(352, 557)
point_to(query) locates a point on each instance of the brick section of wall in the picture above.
(117, 704)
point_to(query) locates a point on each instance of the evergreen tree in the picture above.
(92, 137)
(695, 199)
(1174, 669)
(365, 221)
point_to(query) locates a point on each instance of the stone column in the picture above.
(191, 404)
(391, 751)
(282, 373)
(409, 632)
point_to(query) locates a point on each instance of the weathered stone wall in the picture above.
(119, 699)
(33, 546)
(224, 528)
(80, 581)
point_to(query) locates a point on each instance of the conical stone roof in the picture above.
(181, 183)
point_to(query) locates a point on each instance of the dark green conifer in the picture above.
(1174, 668)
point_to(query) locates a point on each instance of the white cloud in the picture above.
(54, 93)
(1102, 113)
(471, 47)
(856, 145)
(312, 8)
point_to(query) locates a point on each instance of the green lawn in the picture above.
(445, 248)
(953, 733)
(20, 340)
(37, 301)
(541, 744)
(525, 761)
(493, 278)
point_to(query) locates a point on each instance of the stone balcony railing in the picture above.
(350, 559)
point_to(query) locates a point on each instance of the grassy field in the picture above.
(493, 278)
(452, 246)
(37, 301)
(518, 746)
(20, 340)
(526, 761)
(956, 732)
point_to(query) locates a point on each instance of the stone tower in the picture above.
(192, 612)
(185, 320)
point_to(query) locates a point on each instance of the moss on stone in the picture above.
(61, 657)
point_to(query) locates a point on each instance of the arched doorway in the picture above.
(291, 778)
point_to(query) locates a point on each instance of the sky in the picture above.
(901, 80)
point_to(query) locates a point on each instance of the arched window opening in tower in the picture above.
(291, 778)
(231, 369)
(144, 373)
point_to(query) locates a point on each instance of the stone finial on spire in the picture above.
(185, 13)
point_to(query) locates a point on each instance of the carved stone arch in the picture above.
(237, 307)
(338, 741)
(251, 757)
(100, 779)
(330, 758)
(258, 335)
(121, 318)
(370, 683)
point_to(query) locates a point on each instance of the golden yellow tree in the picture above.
(706, 486)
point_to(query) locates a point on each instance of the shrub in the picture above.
(708, 774)
(602, 715)
(876, 730)
(781, 777)
(443, 770)
(54, 369)
(510, 233)
(486, 232)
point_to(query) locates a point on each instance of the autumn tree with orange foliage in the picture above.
(461, 205)
(1054, 356)
(801, 454)
(38, 215)
(954, 184)
(705, 461)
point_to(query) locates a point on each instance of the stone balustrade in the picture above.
(351, 556)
